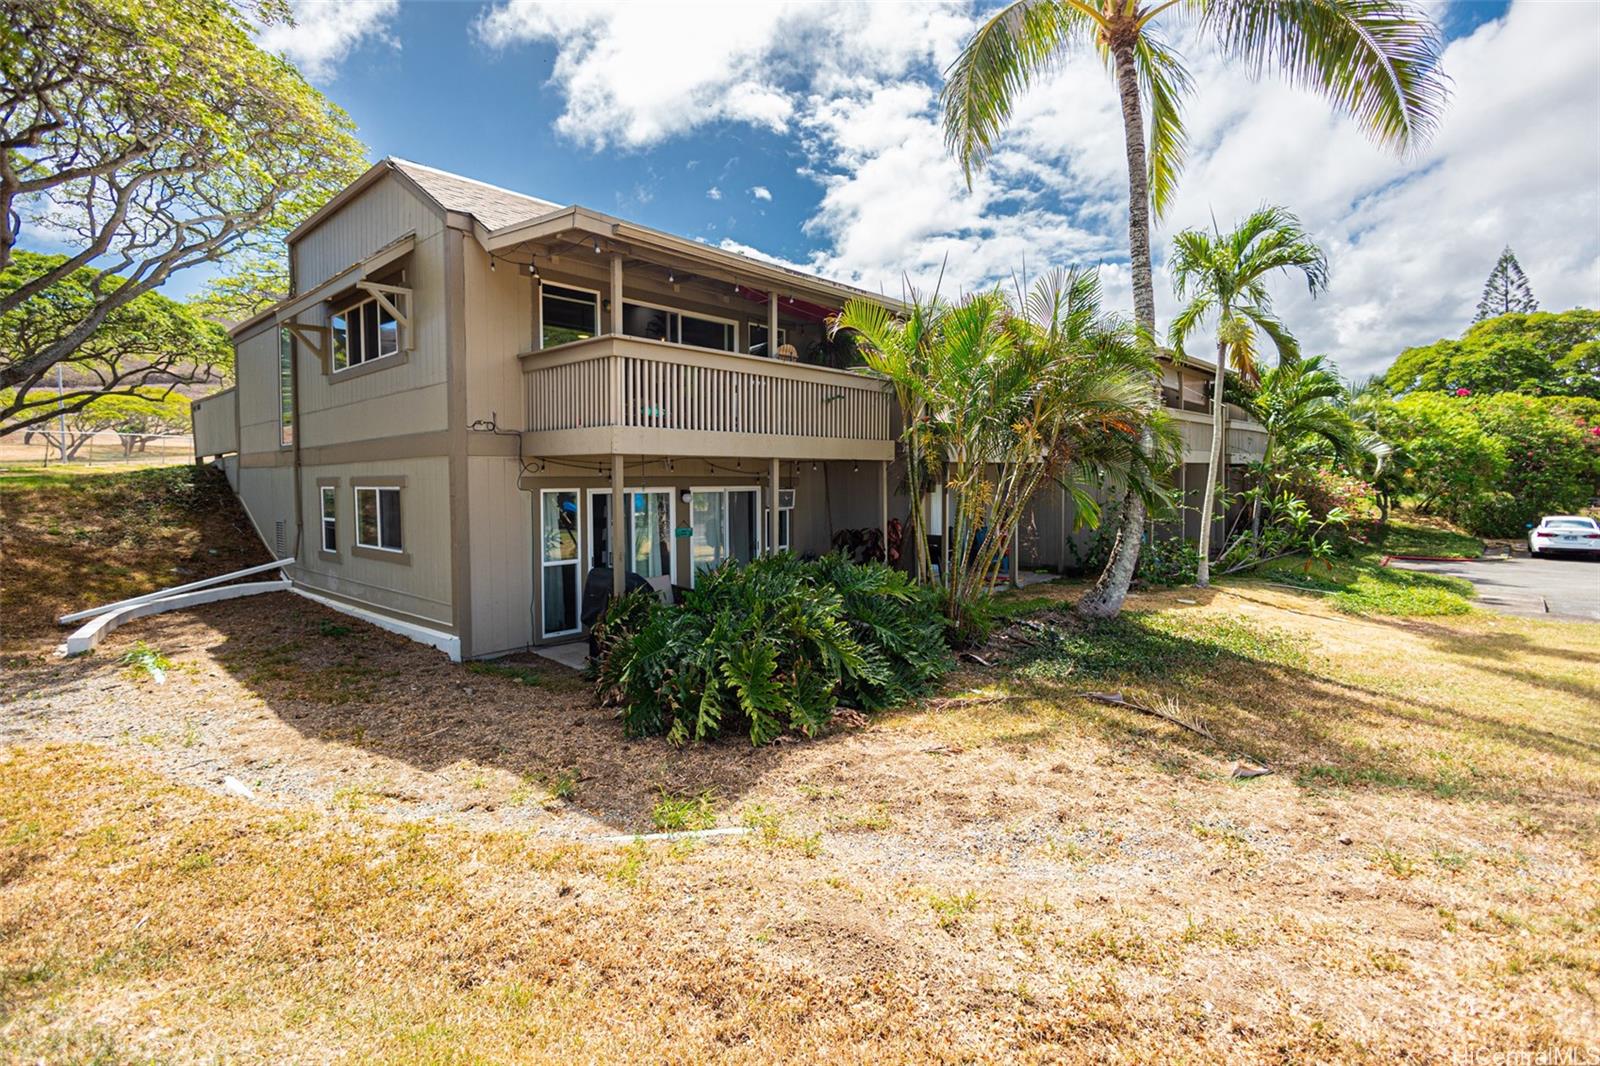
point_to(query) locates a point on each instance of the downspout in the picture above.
(294, 407)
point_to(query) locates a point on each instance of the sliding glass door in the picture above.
(725, 524)
(647, 530)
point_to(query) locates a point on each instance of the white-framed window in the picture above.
(785, 520)
(363, 332)
(330, 518)
(567, 314)
(378, 518)
(657, 323)
(285, 388)
(757, 334)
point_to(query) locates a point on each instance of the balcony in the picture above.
(631, 396)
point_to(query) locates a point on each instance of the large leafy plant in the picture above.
(767, 648)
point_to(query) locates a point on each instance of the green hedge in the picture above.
(768, 647)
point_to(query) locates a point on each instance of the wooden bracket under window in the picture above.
(381, 293)
(312, 337)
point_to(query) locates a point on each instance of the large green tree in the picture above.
(1375, 60)
(148, 136)
(144, 347)
(1537, 354)
(1223, 277)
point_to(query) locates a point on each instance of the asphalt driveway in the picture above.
(1545, 587)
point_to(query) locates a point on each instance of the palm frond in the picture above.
(1166, 85)
(1376, 60)
(1020, 43)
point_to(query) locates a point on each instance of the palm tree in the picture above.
(1376, 60)
(1004, 394)
(1223, 274)
(1301, 405)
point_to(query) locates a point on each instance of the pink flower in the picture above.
(1463, 392)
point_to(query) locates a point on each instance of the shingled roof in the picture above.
(491, 205)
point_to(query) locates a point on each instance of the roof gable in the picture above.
(491, 205)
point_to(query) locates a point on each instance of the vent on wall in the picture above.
(280, 548)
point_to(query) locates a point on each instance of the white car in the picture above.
(1564, 533)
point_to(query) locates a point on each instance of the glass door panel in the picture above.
(709, 519)
(650, 537)
(560, 574)
(744, 527)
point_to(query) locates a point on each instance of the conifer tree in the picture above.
(1507, 290)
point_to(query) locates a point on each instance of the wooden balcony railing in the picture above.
(635, 396)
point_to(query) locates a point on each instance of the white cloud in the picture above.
(713, 193)
(855, 85)
(326, 31)
(761, 192)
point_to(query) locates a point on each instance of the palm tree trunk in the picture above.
(1105, 599)
(1202, 575)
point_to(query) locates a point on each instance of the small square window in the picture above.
(378, 518)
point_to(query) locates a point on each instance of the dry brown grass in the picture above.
(1036, 878)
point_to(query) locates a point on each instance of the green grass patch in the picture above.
(678, 814)
(1362, 586)
(1145, 645)
(1403, 537)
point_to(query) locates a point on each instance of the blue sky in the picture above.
(644, 110)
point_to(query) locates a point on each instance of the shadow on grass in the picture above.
(1282, 706)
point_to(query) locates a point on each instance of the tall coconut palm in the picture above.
(1375, 60)
(1222, 275)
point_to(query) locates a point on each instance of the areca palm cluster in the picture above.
(1001, 394)
(1375, 60)
(1222, 276)
(1302, 406)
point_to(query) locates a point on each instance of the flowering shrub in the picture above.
(1323, 491)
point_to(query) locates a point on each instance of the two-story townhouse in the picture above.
(435, 424)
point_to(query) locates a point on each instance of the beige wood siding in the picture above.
(216, 425)
(384, 212)
(499, 326)
(256, 368)
(501, 534)
(267, 493)
(401, 395)
(418, 586)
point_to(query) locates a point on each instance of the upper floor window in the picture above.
(363, 332)
(664, 324)
(567, 315)
(285, 388)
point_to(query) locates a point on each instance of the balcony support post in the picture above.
(614, 531)
(772, 508)
(616, 295)
(772, 325)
